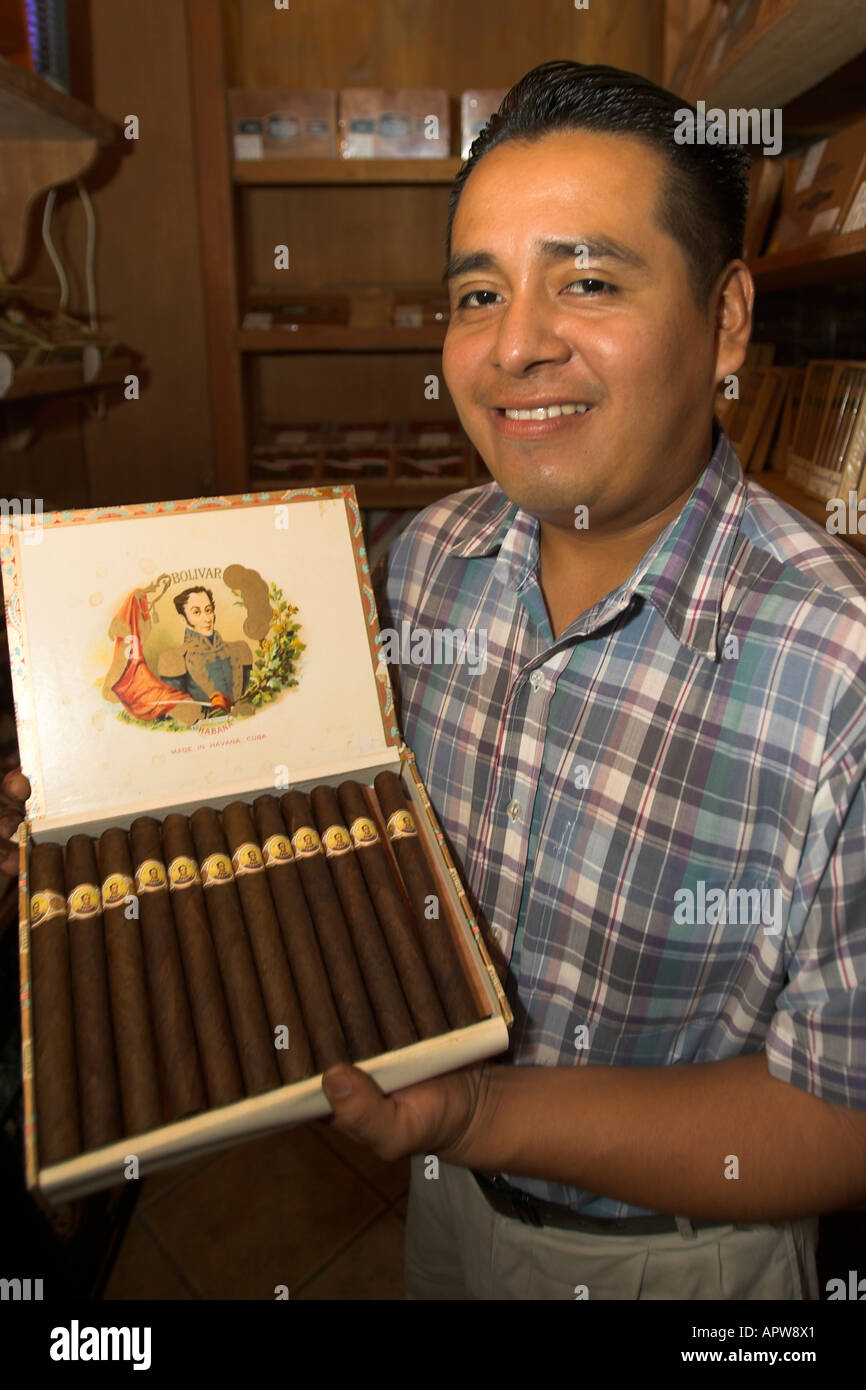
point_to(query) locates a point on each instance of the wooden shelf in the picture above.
(327, 337)
(46, 138)
(830, 258)
(55, 379)
(31, 109)
(813, 507)
(344, 171)
(791, 51)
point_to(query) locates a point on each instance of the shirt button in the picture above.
(536, 679)
(498, 935)
(514, 810)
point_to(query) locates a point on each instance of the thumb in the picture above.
(361, 1110)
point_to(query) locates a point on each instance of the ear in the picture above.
(733, 302)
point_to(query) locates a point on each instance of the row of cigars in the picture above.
(187, 964)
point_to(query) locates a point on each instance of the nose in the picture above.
(527, 334)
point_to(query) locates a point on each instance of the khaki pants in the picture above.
(457, 1247)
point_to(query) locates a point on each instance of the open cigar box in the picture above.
(113, 726)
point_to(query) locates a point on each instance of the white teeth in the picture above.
(548, 412)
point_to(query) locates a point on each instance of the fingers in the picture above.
(14, 791)
(15, 787)
(366, 1115)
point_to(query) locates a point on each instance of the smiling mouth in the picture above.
(541, 412)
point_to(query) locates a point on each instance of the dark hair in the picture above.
(704, 199)
(181, 599)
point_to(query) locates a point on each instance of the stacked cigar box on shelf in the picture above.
(216, 901)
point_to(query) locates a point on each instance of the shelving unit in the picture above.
(372, 222)
(60, 378)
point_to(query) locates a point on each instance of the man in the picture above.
(205, 663)
(673, 703)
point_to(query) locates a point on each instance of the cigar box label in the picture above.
(305, 842)
(183, 872)
(277, 850)
(247, 859)
(83, 901)
(216, 868)
(44, 906)
(400, 824)
(115, 890)
(363, 832)
(336, 840)
(150, 876)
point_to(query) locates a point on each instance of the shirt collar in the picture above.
(683, 574)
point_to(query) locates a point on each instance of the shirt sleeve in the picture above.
(817, 1037)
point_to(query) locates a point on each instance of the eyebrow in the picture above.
(596, 248)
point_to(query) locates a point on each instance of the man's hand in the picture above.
(438, 1116)
(14, 791)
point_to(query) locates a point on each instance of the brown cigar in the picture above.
(393, 913)
(94, 1043)
(299, 936)
(134, 1044)
(182, 1079)
(210, 1015)
(253, 1038)
(58, 1132)
(295, 1061)
(435, 937)
(359, 1025)
(383, 986)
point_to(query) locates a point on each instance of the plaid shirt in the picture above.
(702, 727)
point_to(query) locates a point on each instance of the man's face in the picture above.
(575, 296)
(199, 613)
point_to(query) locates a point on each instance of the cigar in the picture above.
(383, 986)
(295, 1061)
(134, 1045)
(393, 913)
(94, 1042)
(182, 1079)
(299, 936)
(436, 939)
(210, 1015)
(59, 1134)
(254, 1041)
(359, 1025)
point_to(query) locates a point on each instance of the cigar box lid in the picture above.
(167, 653)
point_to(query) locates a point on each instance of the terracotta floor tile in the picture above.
(159, 1183)
(272, 1212)
(141, 1270)
(371, 1268)
(390, 1179)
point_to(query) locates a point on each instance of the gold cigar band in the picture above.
(150, 876)
(363, 832)
(116, 888)
(400, 824)
(216, 869)
(183, 872)
(277, 849)
(45, 905)
(247, 859)
(305, 842)
(83, 902)
(336, 840)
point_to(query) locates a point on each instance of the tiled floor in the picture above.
(305, 1208)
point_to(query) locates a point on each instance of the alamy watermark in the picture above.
(24, 515)
(737, 906)
(438, 646)
(737, 126)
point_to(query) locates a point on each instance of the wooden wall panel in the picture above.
(350, 387)
(435, 43)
